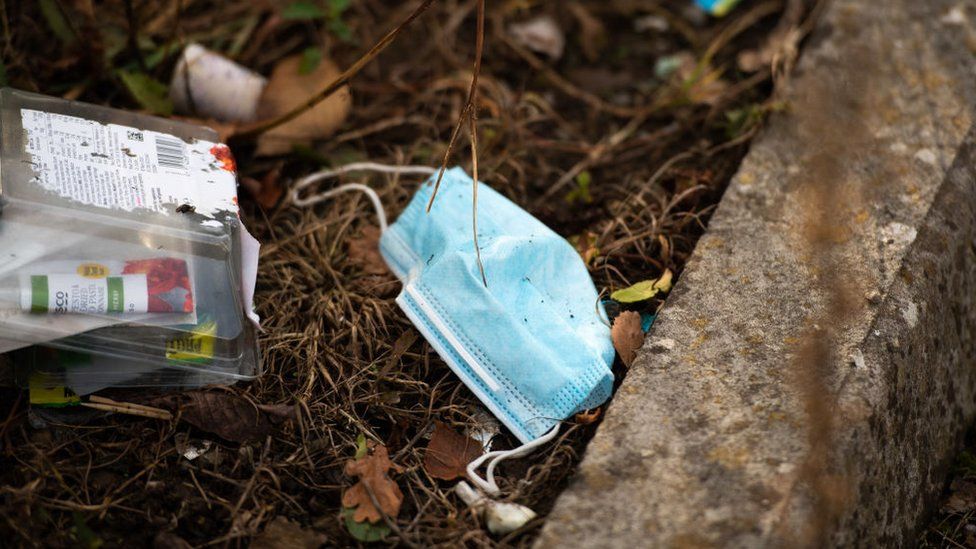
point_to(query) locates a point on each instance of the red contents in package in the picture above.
(169, 284)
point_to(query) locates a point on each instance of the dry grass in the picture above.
(657, 165)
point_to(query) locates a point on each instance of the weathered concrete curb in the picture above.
(809, 379)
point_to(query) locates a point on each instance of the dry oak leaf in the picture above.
(287, 89)
(449, 453)
(372, 472)
(627, 336)
(365, 251)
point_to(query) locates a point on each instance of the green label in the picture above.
(116, 295)
(39, 294)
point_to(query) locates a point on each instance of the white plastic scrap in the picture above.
(956, 16)
(485, 428)
(500, 517)
(651, 23)
(541, 35)
(193, 450)
(209, 85)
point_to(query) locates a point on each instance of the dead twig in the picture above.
(251, 131)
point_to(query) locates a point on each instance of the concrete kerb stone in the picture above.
(810, 377)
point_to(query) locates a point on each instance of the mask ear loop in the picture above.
(315, 198)
(488, 484)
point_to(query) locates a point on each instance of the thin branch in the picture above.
(469, 105)
(257, 128)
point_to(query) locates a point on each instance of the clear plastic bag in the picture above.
(120, 241)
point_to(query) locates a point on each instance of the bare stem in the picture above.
(257, 128)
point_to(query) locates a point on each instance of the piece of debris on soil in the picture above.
(375, 495)
(627, 336)
(287, 88)
(589, 417)
(449, 453)
(226, 415)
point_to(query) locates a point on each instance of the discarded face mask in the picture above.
(531, 344)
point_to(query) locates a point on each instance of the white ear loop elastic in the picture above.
(488, 484)
(315, 198)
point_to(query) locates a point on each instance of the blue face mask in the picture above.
(531, 344)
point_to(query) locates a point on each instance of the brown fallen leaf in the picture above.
(589, 417)
(449, 453)
(282, 533)
(226, 415)
(287, 89)
(279, 413)
(267, 191)
(372, 472)
(627, 336)
(365, 251)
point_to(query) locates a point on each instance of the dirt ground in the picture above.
(623, 145)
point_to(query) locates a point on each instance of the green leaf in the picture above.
(644, 290)
(361, 448)
(51, 11)
(740, 121)
(311, 58)
(303, 10)
(340, 30)
(338, 7)
(582, 190)
(150, 93)
(364, 531)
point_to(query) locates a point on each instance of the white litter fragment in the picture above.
(541, 35)
(209, 85)
(500, 517)
(193, 450)
(485, 428)
(654, 23)
(956, 16)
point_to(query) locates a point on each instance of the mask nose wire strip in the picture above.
(488, 484)
(305, 182)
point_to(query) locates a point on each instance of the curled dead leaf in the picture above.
(449, 453)
(627, 336)
(372, 469)
(287, 89)
(226, 415)
(588, 417)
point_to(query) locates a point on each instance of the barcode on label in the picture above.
(170, 152)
